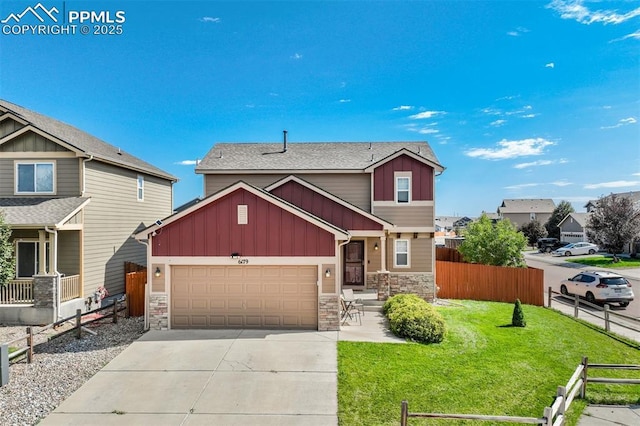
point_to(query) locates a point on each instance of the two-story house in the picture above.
(73, 202)
(522, 211)
(284, 228)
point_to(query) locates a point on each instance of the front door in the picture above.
(354, 263)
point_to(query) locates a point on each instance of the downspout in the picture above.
(340, 263)
(146, 287)
(84, 174)
(55, 267)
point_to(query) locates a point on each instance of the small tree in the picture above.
(559, 213)
(532, 231)
(614, 222)
(7, 260)
(517, 319)
(499, 245)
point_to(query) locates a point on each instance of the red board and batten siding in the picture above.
(323, 207)
(421, 179)
(213, 230)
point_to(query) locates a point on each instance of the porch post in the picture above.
(42, 252)
(383, 253)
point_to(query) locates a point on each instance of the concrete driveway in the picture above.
(212, 377)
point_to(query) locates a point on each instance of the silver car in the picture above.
(576, 248)
(599, 287)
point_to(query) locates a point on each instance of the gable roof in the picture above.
(82, 142)
(581, 218)
(321, 223)
(40, 211)
(634, 196)
(522, 205)
(321, 156)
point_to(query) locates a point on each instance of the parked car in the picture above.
(547, 245)
(576, 248)
(599, 286)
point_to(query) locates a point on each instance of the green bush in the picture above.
(413, 318)
(517, 319)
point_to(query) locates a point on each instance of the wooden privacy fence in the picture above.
(135, 280)
(448, 254)
(489, 283)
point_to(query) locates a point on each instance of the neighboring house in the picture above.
(634, 196)
(572, 227)
(522, 211)
(73, 202)
(283, 229)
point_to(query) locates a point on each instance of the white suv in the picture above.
(599, 286)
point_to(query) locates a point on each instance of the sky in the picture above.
(518, 99)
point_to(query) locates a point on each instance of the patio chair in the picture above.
(348, 311)
(350, 298)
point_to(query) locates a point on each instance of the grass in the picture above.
(483, 366)
(607, 262)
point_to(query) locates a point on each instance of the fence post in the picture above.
(562, 393)
(583, 388)
(548, 416)
(30, 345)
(576, 305)
(404, 413)
(607, 326)
(115, 312)
(4, 365)
(549, 294)
(78, 323)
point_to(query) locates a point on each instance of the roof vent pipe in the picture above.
(284, 141)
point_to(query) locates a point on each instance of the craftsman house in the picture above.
(72, 201)
(282, 229)
(522, 211)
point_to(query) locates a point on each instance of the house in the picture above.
(284, 228)
(572, 227)
(634, 196)
(72, 201)
(522, 211)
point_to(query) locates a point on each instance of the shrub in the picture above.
(413, 318)
(517, 320)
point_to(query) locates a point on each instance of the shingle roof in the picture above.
(634, 196)
(83, 141)
(522, 205)
(581, 218)
(38, 211)
(306, 156)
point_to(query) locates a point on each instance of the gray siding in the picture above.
(31, 142)
(9, 126)
(69, 252)
(112, 216)
(519, 219)
(571, 225)
(420, 252)
(67, 175)
(406, 215)
(352, 187)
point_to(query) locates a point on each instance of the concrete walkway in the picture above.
(212, 377)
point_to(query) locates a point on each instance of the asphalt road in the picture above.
(556, 270)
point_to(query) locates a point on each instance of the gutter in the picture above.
(55, 265)
(84, 174)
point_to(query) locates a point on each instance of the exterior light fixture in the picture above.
(375, 246)
(158, 272)
(327, 273)
(235, 255)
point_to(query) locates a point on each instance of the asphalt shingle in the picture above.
(38, 211)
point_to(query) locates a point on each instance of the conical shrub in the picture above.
(517, 320)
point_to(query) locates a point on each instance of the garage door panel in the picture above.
(244, 297)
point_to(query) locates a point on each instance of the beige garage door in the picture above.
(244, 297)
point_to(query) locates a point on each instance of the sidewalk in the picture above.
(631, 273)
(606, 415)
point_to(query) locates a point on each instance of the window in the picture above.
(28, 258)
(403, 189)
(140, 188)
(35, 178)
(532, 216)
(401, 253)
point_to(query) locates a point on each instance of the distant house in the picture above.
(522, 211)
(284, 228)
(73, 202)
(572, 227)
(634, 196)
(451, 223)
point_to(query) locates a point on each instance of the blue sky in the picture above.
(518, 99)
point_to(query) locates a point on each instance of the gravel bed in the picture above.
(59, 367)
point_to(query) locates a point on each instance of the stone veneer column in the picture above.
(383, 285)
(158, 311)
(328, 312)
(45, 291)
(421, 284)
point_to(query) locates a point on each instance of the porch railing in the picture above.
(17, 292)
(69, 287)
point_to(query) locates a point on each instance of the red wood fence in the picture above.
(491, 283)
(448, 254)
(135, 280)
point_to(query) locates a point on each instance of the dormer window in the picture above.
(140, 188)
(403, 187)
(35, 177)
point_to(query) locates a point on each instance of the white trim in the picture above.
(253, 260)
(44, 155)
(139, 187)
(417, 203)
(273, 171)
(413, 229)
(367, 233)
(405, 151)
(396, 178)
(396, 252)
(8, 114)
(45, 135)
(17, 163)
(70, 215)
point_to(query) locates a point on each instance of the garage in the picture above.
(274, 296)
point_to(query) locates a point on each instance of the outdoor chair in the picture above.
(350, 298)
(348, 311)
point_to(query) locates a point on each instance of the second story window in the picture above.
(401, 253)
(35, 178)
(403, 189)
(140, 188)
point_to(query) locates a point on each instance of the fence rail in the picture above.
(17, 292)
(69, 287)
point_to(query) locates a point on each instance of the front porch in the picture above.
(20, 291)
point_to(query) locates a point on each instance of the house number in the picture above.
(243, 261)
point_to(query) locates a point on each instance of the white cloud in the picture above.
(636, 174)
(296, 56)
(517, 32)
(491, 111)
(187, 162)
(428, 131)
(344, 101)
(497, 123)
(403, 108)
(522, 185)
(621, 122)
(425, 114)
(550, 65)
(575, 10)
(561, 183)
(210, 19)
(529, 116)
(634, 35)
(511, 149)
(533, 164)
(614, 184)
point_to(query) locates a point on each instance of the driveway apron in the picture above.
(212, 377)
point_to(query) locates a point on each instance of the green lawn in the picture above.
(606, 262)
(483, 366)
